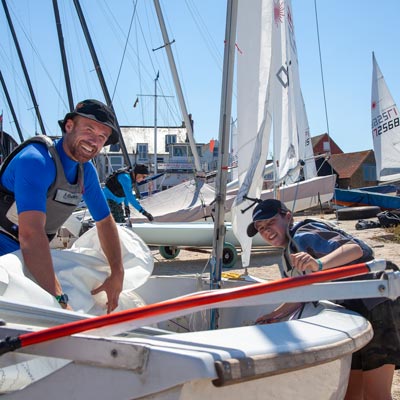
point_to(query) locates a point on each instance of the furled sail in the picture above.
(254, 31)
(268, 90)
(293, 153)
(385, 128)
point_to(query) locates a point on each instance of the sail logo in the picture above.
(279, 12)
(385, 121)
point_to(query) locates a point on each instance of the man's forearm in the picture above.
(36, 250)
(37, 259)
(343, 255)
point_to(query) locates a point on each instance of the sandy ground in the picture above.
(264, 262)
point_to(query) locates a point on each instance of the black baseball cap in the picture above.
(141, 169)
(265, 210)
(97, 111)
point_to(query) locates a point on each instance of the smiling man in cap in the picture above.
(313, 245)
(266, 222)
(41, 184)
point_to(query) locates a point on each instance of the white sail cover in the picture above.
(189, 201)
(268, 89)
(385, 128)
(80, 269)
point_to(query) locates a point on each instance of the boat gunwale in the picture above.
(236, 370)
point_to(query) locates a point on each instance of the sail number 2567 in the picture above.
(378, 127)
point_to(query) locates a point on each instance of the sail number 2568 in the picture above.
(378, 127)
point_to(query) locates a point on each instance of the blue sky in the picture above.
(349, 31)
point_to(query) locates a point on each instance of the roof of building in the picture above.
(346, 164)
(316, 140)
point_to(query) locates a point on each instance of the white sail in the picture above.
(254, 30)
(262, 90)
(385, 128)
(284, 92)
(292, 144)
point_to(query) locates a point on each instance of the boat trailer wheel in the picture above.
(169, 252)
(229, 255)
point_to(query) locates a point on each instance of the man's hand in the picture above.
(113, 287)
(148, 215)
(303, 261)
(282, 313)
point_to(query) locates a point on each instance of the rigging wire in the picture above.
(37, 54)
(124, 52)
(321, 68)
(139, 68)
(323, 90)
(150, 74)
(173, 107)
(178, 63)
(75, 45)
(205, 34)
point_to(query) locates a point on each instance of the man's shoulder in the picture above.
(314, 224)
(34, 153)
(124, 177)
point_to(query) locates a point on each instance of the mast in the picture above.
(10, 105)
(102, 80)
(21, 59)
(178, 88)
(63, 55)
(223, 151)
(155, 122)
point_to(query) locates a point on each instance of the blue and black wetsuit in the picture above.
(55, 186)
(118, 190)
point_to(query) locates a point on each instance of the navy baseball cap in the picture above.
(97, 111)
(265, 210)
(141, 169)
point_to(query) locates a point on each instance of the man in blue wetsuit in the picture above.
(42, 182)
(118, 190)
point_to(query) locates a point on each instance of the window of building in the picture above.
(169, 139)
(326, 146)
(142, 151)
(215, 151)
(179, 151)
(199, 151)
(369, 172)
(114, 163)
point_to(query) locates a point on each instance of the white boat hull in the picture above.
(302, 359)
(186, 234)
(175, 355)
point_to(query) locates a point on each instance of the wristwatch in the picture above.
(62, 299)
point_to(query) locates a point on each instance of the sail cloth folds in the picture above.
(385, 128)
(292, 144)
(268, 89)
(254, 31)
